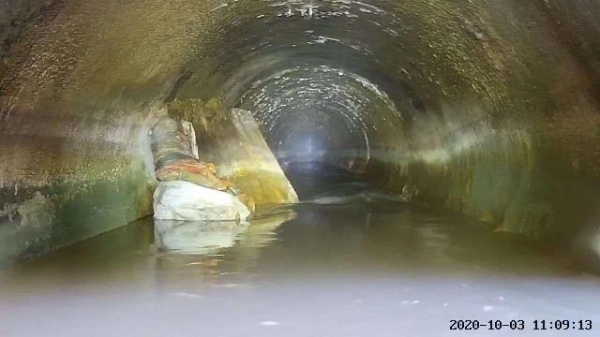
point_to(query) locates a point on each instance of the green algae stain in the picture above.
(105, 197)
(267, 188)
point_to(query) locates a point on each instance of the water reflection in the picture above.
(195, 256)
(209, 237)
(196, 237)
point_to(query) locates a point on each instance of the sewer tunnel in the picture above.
(487, 110)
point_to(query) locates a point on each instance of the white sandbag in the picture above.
(182, 200)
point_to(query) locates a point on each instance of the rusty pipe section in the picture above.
(488, 108)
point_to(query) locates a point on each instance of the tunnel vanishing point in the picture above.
(487, 108)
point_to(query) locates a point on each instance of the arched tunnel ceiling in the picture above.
(495, 115)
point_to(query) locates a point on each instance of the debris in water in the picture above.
(187, 295)
(269, 323)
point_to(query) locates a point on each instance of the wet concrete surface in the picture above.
(348, 261)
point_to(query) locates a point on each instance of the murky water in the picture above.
(348, 262)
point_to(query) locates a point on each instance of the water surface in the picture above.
(349, 261)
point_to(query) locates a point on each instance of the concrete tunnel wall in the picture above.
(489, 108)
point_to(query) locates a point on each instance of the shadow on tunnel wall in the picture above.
(495, 111)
